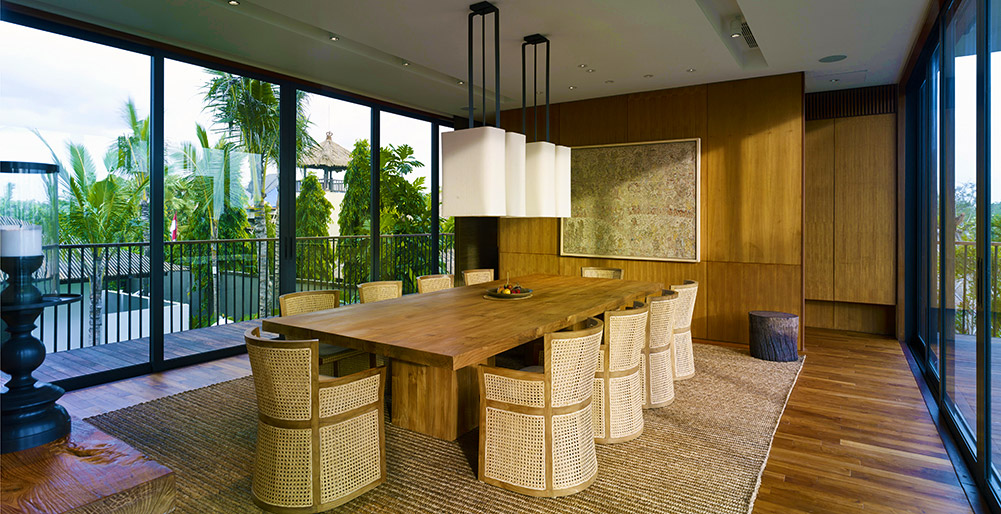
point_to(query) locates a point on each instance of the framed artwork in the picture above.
(634, 201)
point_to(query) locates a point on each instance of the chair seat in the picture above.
(534, 369)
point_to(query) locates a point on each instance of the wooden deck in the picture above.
(856, 435)
(106, 357)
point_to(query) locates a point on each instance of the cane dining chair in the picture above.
(380, 290)
(536, 436)
(472, 277)
(681, 350)
(320, 440)
(334, 360)
(599, 272)
(432, 283)
(618, 386)
(656, 366)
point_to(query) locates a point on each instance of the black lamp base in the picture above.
(32, 419)
(29, 415)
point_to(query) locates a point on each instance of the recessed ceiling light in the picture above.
(590, 70)
(233, 2)
(406, 63)
(461, 82)
(334, 38)
(834, 81)
(648, 76)
(582, 66)
(573, 87)
(735, 26)
(833, 58)
(690, 70)
(609, 82)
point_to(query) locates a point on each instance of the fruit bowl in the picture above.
(493, 292)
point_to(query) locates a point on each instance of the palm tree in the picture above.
(248, 109)
(97, 211)
(129, 154)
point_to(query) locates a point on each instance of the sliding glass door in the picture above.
(952, 112)
(961, 246)
(173, 175)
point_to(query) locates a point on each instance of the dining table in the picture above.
(434, 341)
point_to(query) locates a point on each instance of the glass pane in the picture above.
(959, 223)
(994, 39)
(84, 107)
(404, 191)
(933, 157)
(220, 204)
(332, 197)
(446, 237)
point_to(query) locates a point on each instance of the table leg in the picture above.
(436, 401)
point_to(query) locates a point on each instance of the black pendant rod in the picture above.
(524, 99)
(535, 90)
(535, 40)
(483, 64)
(482, 9)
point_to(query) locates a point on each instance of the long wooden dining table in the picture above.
(435, 340)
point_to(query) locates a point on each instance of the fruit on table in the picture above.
(509, 289)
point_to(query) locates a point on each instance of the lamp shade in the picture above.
(473, 174)
(540, 181)
(562, 182)
(515, 165)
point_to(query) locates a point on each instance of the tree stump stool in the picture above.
(774, 335)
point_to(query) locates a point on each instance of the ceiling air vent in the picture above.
(745, 31)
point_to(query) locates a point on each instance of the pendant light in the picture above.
(547, 166)
(473, 166)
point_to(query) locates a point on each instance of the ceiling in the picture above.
(634, 45)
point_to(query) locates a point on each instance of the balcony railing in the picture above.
(214, 282)
(964, 292)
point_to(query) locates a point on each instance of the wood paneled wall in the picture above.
(851, 223)
(752, 201)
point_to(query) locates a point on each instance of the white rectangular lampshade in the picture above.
(540, 179)
(473, 174)
(515, 165)
(562, 183)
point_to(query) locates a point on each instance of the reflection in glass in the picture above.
(220, 202)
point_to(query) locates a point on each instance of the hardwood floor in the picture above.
(855, 435)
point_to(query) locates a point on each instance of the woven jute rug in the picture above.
(703, 454)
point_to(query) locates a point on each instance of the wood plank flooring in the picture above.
(855, 436)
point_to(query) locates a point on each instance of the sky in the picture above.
(73, 90)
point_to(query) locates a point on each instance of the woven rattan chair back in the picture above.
(320, 441)
(472, 277)
(656, 367)
(682, 355)
(618, 385)
(535, 428)
(308, 301)
(600, 272)
(370, 292)
(334, 361)
(432, 283)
